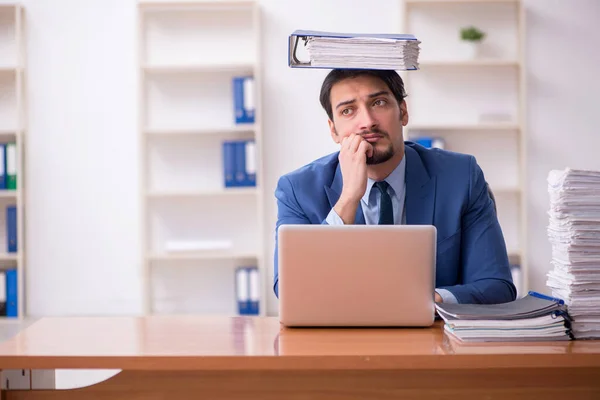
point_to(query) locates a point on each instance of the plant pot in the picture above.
(469, 50)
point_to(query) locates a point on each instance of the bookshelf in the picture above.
(12, 137)
(189, 54)
(475, 101)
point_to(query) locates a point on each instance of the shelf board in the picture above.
(191, 5)
(8, 193)
(241, 191)
(9, 257)
(464, 127)
(439, 2)
(201, 131)
(199, 68)
(200, 256)
(469, 63)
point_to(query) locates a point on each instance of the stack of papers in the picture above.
(356, 50)
(531, 318)
(574, 232)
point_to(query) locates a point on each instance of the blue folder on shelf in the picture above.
(3, 166)
(389, 51)
(247, 290)
(244, 100)
(239, 163)
(11, 229)
(12, 293)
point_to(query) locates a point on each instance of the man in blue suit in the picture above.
(377, 178)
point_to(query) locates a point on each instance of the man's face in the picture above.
(364, 105)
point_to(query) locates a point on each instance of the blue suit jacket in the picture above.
(444, 189)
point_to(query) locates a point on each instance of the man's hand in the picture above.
(353, 164)
(438, 298)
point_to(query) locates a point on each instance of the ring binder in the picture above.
(403, 55)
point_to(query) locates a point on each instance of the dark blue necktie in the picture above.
(386, 212)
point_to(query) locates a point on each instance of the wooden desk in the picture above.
(252, 358)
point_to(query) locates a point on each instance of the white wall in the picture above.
(82, 168)
(563, 86)
(81, 155)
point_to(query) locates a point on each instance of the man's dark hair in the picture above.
(390, 77)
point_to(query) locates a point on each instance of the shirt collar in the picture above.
(395, 179)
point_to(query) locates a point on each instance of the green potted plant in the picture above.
(471, 37)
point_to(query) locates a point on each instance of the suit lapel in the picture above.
(420, 190)
(333, 194)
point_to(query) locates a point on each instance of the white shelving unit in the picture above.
(475, 103)
(12, 131)
(189, 53)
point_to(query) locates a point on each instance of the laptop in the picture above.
(357, 275)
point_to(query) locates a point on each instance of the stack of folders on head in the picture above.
(534, 317)
(356, 50)
(574, 232)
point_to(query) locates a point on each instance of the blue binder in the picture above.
(229, 163)
(424, 141)
(3, 166)
(3, 293)
(302, 34)
(11, 228)
(239, 163)
(247, 290)
(254, 290)
(243, 99)
(242, 290)
(12, 298)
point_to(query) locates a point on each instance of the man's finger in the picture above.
(366, 148)
(355, 143)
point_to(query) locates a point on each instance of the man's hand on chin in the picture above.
(438, 298)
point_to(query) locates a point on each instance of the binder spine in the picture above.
(229, 164)
(243, 99)
(12, 308)
(3, 292)
(250, 163)
(242, 293)
(2, 166)
(11, 166)
(11, 229)
(254, 291)
(247, 290)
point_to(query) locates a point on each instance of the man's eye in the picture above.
(346, 111)
(380, 102)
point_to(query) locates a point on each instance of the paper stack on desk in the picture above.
(355, 50)
(574, 232)
(534, 317)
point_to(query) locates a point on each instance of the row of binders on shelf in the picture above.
(239, 163)
(8, 166)
(8, 293)
(10, 224)
(247, 288)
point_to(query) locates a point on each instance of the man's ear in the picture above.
(403, 113)
(334, 134)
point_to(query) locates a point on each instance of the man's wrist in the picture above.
(346, 209)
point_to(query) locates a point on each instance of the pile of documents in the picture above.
(574, 232)
(534, 317)
(356, 50)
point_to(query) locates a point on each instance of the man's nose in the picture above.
(367, 120)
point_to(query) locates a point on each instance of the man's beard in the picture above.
(380, 156)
